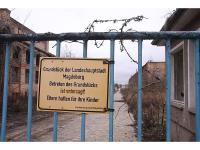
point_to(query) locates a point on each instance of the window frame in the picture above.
(27, 57)
(26, 76)
(17, 79)
(178, 103)
(17, 50)
(191, 72)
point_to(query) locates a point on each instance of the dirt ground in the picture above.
(69, 125)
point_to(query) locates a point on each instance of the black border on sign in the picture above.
(61, 110)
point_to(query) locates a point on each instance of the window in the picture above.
(15, 74)
(1, 54)
(27, 57)
(15, 96)
(27, 76)
(16, 53)
(36, 77)
(19, 31)
(1, 50)
(178, 76)
(26, 94)
(37, 60)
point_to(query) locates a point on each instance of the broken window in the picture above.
(16, 53)
(27, 57)
(27, 76)
(178, 76)
(15, 74)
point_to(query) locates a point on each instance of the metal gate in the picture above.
(167, 36)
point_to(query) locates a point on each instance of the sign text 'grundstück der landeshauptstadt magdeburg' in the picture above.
(67, 84)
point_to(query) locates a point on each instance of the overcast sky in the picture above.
(77, 19)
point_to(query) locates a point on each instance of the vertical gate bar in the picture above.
(197, 89)
(83, 116)
(85, 49)
(139, 103)
(55, 126)
(30, 92)
(5, 93)
(55, 114)
(111, 91)
(168, 91)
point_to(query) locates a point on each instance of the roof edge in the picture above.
(169, 22)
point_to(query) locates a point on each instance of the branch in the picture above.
(119, 110)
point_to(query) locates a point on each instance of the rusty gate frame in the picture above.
(167, 36)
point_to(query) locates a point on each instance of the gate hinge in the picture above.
(110, 110)
(108, 61)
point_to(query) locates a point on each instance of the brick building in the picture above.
(153, 79)
(19, 62)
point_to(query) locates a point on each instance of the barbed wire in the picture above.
(91, 26)
(125, 22)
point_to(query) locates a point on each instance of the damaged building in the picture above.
(19, 63)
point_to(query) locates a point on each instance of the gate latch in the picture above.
(110, 110)
(108, 61)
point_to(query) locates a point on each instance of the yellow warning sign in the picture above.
(73, 85)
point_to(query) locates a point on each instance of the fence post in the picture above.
(168, 91)
(55, 114)
(197, 89)
(83, 116)
(139, 103)
(30, 92)
(5, 93)
(111, 91)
